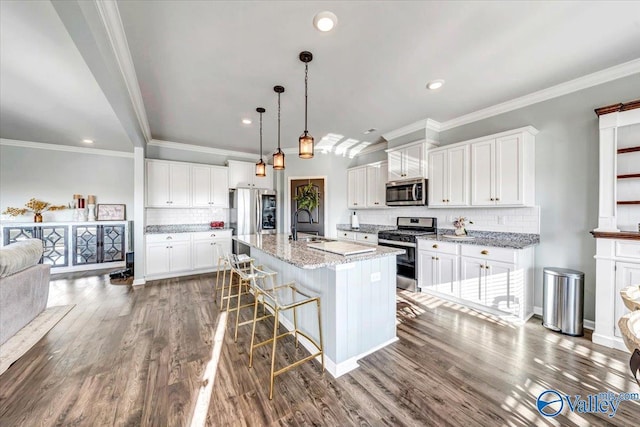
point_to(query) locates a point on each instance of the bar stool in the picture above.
(277, 299)
(223, 264)
(244, 269)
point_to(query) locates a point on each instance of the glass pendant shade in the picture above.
(261, 168)
(305, 146)
(278, 160)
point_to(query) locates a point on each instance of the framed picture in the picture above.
(111, 212)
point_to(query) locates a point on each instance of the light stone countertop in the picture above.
(180, 228)
(299, 255)
(488, 238)
(365, 228)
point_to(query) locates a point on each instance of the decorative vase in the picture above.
(92, 211)
(460, 231)
(37, 217)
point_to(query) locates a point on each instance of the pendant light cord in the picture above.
(306, 78)
(278, 121)
(261, 137)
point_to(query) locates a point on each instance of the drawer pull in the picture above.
(213, 235)
(435, 246)
(484, 252)
(366, 237)
(169, 238)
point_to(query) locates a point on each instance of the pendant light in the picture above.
(305, 142)
(261, 165)
(278, 156)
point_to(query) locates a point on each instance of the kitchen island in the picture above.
(357, 293)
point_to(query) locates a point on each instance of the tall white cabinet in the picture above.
(210, 186)
(168, 184)
(617, 238)
(366, 186)
(449, 176)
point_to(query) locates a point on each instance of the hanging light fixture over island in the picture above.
(305, 142)
(261, 166)
(278, 155)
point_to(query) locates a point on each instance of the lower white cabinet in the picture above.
(498, 280)
(206, 248)
(367, 238)
(627, 274)
(176, 254)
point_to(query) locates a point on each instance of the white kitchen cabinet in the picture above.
(376, 178)
(498, 280)
(207, 246)
(357, 236)
(627, 274)
(243, 174)
(448, 173)
(407, 162)
(502, 171)
(167, 253)
(168, 184)
(210, 186)
(356, 188)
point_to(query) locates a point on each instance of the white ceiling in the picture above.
(47, 92)
(204, 65)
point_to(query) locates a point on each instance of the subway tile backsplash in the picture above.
(160, 216)
(511, 220)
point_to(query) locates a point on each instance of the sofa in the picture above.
(24, 285)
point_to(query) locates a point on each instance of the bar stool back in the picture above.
(280, 298)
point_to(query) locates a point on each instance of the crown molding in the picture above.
(405, 130)
(110, 15)
(594, 79)
(373, 148)
(66, 148)
(200, 149)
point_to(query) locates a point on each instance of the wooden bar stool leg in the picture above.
(273, 351)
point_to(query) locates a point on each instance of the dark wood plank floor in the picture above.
(136, 357)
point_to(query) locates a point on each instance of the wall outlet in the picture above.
(375, 277)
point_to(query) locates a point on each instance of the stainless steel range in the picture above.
(405, 237)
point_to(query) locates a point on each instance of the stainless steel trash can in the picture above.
(563, 300)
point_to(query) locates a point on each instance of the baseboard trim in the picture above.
(587, 324)
(335, 369)
(611, 342)
(139, 282)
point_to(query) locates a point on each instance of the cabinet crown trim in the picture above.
(412, 144)
(528, 129)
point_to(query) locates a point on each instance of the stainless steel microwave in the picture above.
(410, 192)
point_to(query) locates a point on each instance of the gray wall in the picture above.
(55, 176)
(566, 173)
(164, 153)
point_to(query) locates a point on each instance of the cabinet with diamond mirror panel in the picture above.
(98, 243)
(55, 240)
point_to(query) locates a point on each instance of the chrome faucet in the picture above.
(294, 222)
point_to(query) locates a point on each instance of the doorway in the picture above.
(296, 187)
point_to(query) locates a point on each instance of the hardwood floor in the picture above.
(136, 357)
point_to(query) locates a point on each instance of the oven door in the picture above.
(405, 264)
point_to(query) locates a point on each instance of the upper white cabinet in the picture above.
(366, 186)
(502, 171)
(210, 187)
(243, 174)
(375, 185)
(356, 187)
(407, 162)
(168, 184)
(449, 176)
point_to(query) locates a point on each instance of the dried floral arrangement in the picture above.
(35, 206)
(460, 224)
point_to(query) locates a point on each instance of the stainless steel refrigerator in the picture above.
(252, 211)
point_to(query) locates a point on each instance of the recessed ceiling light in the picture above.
(435, 84)
(325, 21)
(246, 121)
(368, 131)
(88, 141)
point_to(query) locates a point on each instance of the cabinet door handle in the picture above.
(444, 200)
(484, 252)
(497, 199)
(435, 246)
(437, 259)
(492, 199)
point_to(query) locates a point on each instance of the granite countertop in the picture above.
(299, 255)
(489, 238)
(365, 228)
(180, 228)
